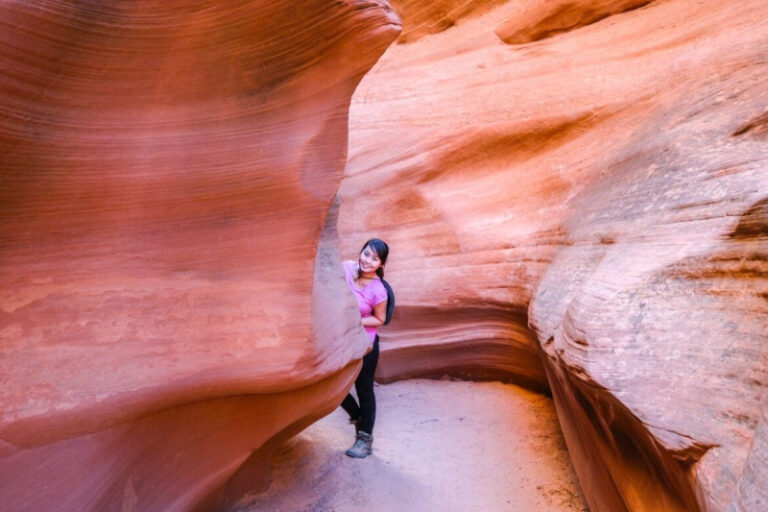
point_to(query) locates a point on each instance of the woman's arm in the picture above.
(379, 314)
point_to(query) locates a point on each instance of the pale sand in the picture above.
(438, 446)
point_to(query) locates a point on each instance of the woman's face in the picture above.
(369, 260)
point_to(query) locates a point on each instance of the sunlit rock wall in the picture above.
(167, 168)
(583, 185)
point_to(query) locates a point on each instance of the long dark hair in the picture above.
(381, 249)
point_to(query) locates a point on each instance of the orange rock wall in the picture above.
(167, 169)
(594, 199)
(574, 193)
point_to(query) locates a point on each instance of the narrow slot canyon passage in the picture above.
(438, 445)
(576, 198)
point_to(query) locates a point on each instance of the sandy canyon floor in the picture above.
(438, 445)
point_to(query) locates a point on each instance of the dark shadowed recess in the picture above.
(753, 223)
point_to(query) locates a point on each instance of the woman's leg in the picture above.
(364, 387)
(350, 405)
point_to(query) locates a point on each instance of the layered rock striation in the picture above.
(167, 169)
(584, 184)
(574, 193)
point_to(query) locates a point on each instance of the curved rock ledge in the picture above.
(546, 19)
(480, 343)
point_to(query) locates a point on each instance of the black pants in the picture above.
(365, 413)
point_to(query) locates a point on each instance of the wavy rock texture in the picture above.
(166, 171)
(538, 20)
(596, 200)
(430, 17)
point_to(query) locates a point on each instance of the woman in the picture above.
(364, 279)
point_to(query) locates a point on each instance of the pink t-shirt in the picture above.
(373, 294)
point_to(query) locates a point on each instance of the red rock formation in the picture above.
(609, 180)
(166, 171)
(750, 494)
(539, 20)
(436, 15)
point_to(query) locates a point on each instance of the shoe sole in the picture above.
(355, 456)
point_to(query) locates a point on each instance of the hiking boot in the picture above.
(362, 447)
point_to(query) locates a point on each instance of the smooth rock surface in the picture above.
(597, 196)
(167, 170)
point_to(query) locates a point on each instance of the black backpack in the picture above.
(390, 302)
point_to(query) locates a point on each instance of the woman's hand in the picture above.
(378, 316)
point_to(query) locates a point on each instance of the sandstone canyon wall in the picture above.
(167, 169)
(576, 197)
